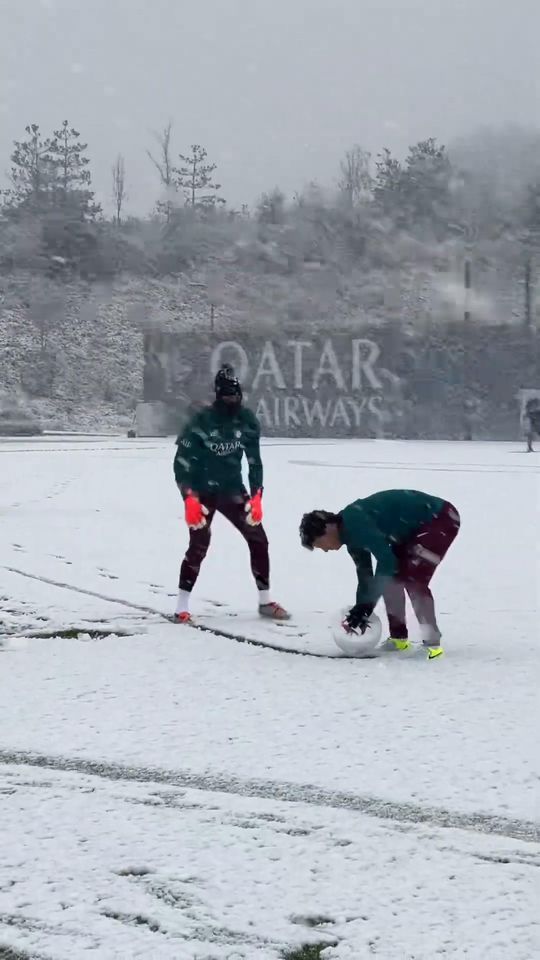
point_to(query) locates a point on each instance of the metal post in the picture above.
(467, 285)
(467, 431)
(528, 309)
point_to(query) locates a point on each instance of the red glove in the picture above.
(196, 513)
(254, 509)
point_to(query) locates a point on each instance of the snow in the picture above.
(167, 793)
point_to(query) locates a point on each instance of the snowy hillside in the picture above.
(75, 349)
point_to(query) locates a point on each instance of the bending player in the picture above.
(408, 533)
(208, 472)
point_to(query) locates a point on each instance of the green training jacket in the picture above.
(371, 525)
(209, 452)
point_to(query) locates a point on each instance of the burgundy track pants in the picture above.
(418, 560)
(233, 508)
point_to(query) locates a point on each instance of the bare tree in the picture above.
(271, 207)
(165, 167)
(355, 181)
(119, 186)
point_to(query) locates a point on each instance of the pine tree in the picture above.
(195, 176)
(427, 182)
(51, 175)
(417, 192)
(73, 180)
(388, 186)
(32, 173)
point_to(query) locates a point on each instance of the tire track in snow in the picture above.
(285, 792)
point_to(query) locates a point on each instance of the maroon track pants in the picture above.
(233, 508)
(418, 560)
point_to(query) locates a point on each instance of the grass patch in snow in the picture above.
(75, 633)
(311, 951)
(6, 953)
(132, 920)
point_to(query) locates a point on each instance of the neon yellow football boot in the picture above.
(392, 645)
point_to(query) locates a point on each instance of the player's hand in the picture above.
(357, 619)
(195, 512)
(254, 510)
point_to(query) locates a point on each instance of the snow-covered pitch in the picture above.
(171, 795)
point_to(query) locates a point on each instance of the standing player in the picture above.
(208, 472)
(532, 421)
(408, 533)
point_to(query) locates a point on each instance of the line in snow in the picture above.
(424, 468)
(286, 792)
(84, 590)
(152, 611)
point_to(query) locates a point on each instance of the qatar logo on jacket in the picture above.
(225, 447)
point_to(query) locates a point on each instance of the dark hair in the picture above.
(313, 525)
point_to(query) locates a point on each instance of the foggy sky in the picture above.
(275, 89)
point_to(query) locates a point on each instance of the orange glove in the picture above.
(254, 509)
(195, 512)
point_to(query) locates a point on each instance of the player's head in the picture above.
(320, 530)
(227, 387)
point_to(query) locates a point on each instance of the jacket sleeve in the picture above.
(363, 531)
(364, 573)
(189, 449)
(252, 447)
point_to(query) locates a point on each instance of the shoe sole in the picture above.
(265, 616)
